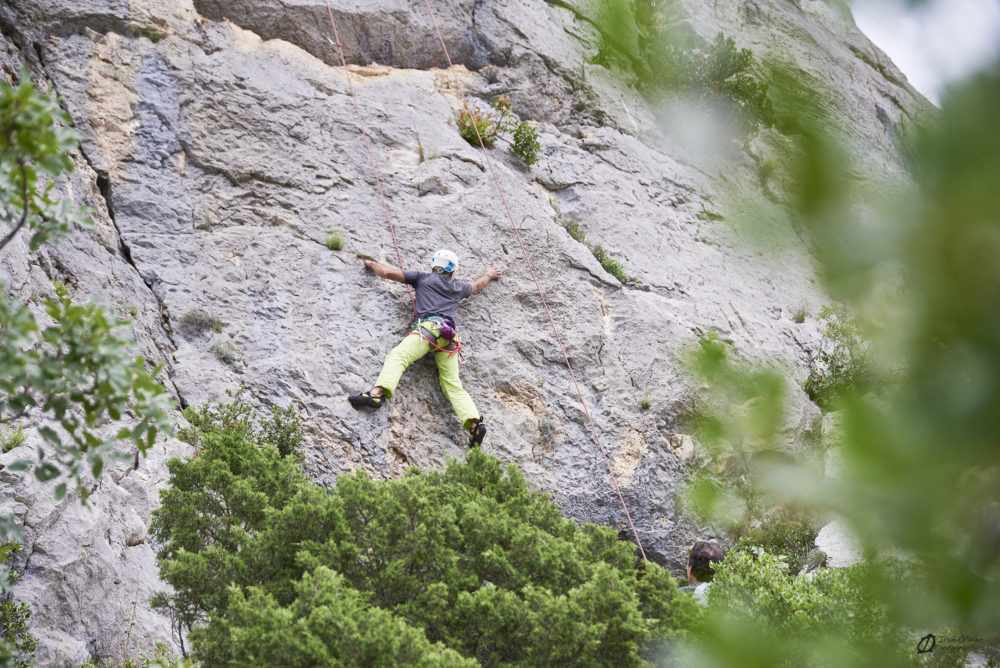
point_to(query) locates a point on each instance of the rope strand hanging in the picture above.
(524, 252)
(368, 148)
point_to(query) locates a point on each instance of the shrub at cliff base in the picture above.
(464, 566)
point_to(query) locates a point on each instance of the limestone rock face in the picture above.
(221, 148)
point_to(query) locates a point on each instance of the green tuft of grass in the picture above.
(154, 35)
(334, 238)
(610, 264)
(645, 401)
(229, 355)
(575, 230)
(197, 321)
(11, 437)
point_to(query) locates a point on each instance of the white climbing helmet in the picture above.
(444, 259)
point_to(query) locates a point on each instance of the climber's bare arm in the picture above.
(385, 271)
(489, 274)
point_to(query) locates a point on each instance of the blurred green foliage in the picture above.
(467, 566)
(770, 619)
(662, 55)
(919, 462)
(843, 363)
(783, 533)
(79, 372)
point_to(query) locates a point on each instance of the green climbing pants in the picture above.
(412, 348)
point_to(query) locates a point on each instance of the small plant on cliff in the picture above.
(525, 143)
(475, 125)
(152, 33)
(199, 321)
(498, 122)
(333, 238)
(227, 353)
(11, 437)
(610, 264)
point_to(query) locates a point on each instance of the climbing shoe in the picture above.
(366, 400)
(477, 432)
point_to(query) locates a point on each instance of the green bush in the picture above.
(525, 143)
(17, 646)
(466, 562)
(283, 431)
(161, 659)
(789, 535)
(475, 126)
(753, 602)
(843, 364)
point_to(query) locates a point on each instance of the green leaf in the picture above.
(60, 491)
(46, 472)
(20, 465)
(50, 435)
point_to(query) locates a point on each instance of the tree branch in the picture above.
(24, 206)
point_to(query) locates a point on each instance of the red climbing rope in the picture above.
(368, 148)
(541, 295)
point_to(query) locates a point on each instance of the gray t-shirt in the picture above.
(436, 293)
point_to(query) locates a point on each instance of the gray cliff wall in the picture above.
(221, 142)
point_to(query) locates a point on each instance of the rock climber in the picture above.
(437, 298)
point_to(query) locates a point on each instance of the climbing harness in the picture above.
(437, 327)
(517, 234)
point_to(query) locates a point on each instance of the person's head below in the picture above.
(703, 555)
(444, 262)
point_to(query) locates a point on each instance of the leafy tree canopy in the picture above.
(438, 567)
